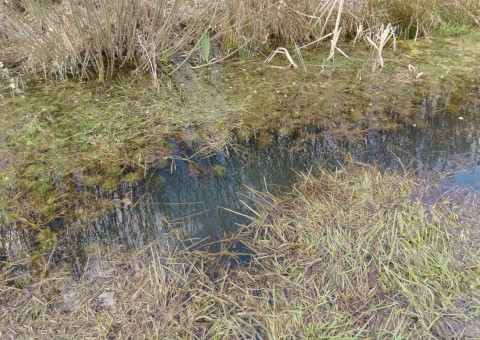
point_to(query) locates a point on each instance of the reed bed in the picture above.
(86, 39)
(351, 253)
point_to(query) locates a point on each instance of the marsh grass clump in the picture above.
(351, 253)
(261, 26)
(258, 24)
(88, 39)
(378, 259)
(423, 17)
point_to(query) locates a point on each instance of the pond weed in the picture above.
(219, 171)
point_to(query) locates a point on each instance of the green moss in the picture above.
(114, 172)
(219, 171)
(163, 163)
(140, 141)
(161, 141)
(7, 181)
(92, 181)
(49, 210)
(245, 134)
(264, 139)
(34, 170)
(46, 239)
(133, 121)
(109, 185)
(89, 168)
(159, 180)
(133, 177)
(42, 189)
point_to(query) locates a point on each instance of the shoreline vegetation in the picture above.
(85, 39)
(351, 253)
(90, 94)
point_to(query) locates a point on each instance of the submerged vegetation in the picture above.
(60, 139)
(351, 253)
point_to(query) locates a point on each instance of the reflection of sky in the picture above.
(194, 200)
(469, 177)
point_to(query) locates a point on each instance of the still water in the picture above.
(198, 194)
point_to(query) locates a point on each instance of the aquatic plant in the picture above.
(206, 48)
(219, 171)
(87, 135)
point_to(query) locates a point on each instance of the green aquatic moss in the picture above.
(92, 181)
(219, 171)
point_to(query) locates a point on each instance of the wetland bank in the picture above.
(109, 186)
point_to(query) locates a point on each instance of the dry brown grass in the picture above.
(85, 38)
(267, 23)
(82, 39)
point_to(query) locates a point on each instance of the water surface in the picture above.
(196, 194)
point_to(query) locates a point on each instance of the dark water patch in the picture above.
(207, 196)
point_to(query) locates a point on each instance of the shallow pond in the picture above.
(198, 194)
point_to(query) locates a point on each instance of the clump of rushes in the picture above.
(94, 39)
(354, 253)
(86, 39)
(263, 25)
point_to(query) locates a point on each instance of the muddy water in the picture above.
(196, 194)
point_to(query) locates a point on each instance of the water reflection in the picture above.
(197, 197)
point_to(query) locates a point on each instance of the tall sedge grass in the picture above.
(84, 38)
(304, 22)
(267, 23)
(354, 253)
(95, 38)
(421, 17)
